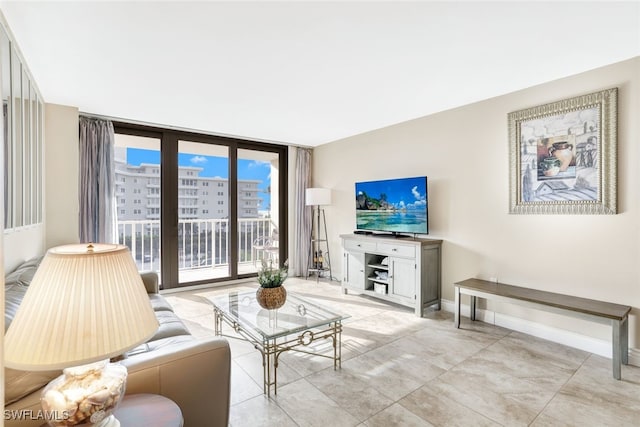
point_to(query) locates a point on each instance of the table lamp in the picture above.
(85, 304)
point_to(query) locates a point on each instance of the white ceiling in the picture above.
(307, 73)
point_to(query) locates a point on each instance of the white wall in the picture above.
(464, 153)
(61, 152)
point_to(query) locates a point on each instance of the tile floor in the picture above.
(401, 370)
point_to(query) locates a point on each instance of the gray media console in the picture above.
(402, 270)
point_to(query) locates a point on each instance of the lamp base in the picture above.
(110, 421)
(85, 395)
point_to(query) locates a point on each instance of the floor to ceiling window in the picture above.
(138, 197)
(203, 211)
(199, 208)
(258, 209)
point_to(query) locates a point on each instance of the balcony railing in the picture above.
(202, 243)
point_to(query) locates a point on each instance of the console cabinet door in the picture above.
(403, 276)
(354, 270)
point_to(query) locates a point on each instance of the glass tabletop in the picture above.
(296, 315)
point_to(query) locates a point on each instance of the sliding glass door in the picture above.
(138, 198)
(258, 209)
(214, 208)
(203, 211)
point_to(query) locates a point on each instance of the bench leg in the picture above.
(620, 344)
(456, 309)
(472, 307)
(624, 341)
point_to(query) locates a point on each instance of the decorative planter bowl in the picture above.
(271, 298)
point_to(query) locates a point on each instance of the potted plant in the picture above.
(271, 294)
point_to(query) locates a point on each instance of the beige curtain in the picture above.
(299, 259)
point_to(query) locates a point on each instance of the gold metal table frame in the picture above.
(293, 327)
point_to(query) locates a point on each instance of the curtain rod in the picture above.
(182, 129)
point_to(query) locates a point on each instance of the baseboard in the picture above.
(213, 285)
(634, 357)
(561, 336)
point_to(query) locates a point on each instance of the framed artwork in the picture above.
(562, 156)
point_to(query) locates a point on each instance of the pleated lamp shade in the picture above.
(85, 303)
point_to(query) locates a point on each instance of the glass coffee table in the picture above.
(293, 327)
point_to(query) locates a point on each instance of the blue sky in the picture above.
(212, 167)
(410, 192)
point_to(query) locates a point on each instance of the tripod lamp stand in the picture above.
(319, 261)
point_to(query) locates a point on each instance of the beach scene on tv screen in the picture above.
(395, 205)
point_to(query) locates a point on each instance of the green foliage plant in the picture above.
(270, 276)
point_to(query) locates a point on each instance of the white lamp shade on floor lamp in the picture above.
(317, 196)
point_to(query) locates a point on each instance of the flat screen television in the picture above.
(396, 206)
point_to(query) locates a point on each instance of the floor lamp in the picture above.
(318, 262)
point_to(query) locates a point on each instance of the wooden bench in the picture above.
(615, 315)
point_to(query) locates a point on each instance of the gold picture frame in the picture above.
(563, 156)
